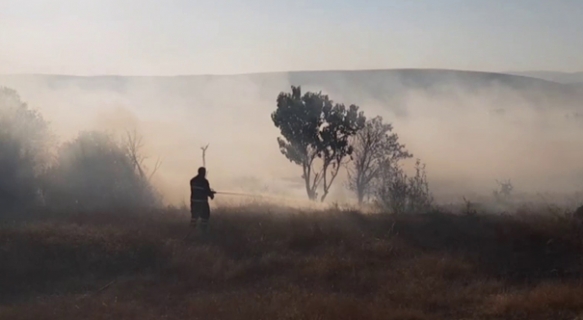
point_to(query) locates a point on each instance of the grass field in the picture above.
(261, 262)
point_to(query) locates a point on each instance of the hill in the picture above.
(387, 86)
(281, 263)
(561, 77)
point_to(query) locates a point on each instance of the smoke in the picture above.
(469, 140)
(468, 143)
(468, 137)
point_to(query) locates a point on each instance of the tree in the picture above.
(24, 148)
(373, 146)
(315, 128)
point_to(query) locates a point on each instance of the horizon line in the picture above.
(279, 72)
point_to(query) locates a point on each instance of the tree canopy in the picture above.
(313, 128)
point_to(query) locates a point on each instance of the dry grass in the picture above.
(260, 262)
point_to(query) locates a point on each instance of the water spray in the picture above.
(250, 195)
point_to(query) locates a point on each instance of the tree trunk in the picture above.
(324, 196)
(360, 194)
(307, 177)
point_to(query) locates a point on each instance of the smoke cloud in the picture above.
(468, 134)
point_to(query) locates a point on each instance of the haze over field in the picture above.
(470, 127)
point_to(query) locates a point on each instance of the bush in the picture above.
(398, 193)
(94, 172)
(504, 192)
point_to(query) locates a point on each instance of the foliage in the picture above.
(94, 172)
(373, 146)
(313, 127)
(398, 193)
(24, 147)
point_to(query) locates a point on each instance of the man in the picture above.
(200, 191)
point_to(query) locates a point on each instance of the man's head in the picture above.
(202, 171)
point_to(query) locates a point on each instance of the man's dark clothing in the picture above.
(200, 191)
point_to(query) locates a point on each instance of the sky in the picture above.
(175, 37)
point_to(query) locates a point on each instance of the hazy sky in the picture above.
(148, 37)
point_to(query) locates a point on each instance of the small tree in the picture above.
(420, 197)
(204, 149)
(133, 145)
(374, 146)
(313, 127)
(504, 191)
(398, 193)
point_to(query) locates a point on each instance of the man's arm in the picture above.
(211, 193)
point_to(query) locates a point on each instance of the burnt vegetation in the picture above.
(85, 235)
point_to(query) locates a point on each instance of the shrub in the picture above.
(94, 172)
(398, 193)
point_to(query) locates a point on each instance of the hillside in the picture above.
(561, 77)
(387, 86)
(280, 263)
